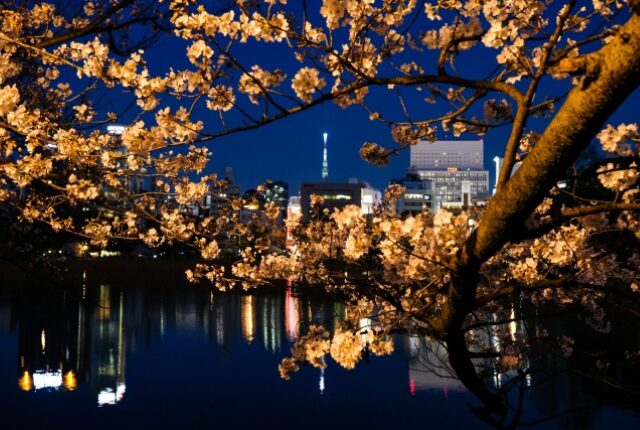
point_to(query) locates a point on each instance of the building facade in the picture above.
(132, 183)
(454, 169)
(448, 185)
(220, 199)
(339, 195)
(277, 192)
(417, 196)
(441, 154)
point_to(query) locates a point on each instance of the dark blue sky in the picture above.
(291, 149)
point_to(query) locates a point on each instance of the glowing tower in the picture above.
(325, 163)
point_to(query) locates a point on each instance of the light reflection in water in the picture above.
(428, 368)
(82, 343)
(70, 382)
(271, 330)
(105, 328)
(110, 397)
(47, 379)
(321, 382)
(25, 382)
(220, 334)
(108, 349)
(248, 318)
(292, 312)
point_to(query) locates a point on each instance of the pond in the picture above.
(94, 354)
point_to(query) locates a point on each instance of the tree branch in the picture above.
(92, 27)
(582, 115)
(523, 107)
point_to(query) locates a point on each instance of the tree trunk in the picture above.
(612, 74)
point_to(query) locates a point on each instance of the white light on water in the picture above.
(110, 397)
(42, 380)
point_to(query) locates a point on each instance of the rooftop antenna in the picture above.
(325, 163)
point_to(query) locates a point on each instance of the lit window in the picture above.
(336, 197)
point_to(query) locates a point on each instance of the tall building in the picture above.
(277, 192)
(454, 169)
(222, 198)
(448, 184)
(325, 161)
(339, 195)
(418, 195)
(294, 214)
(133, 183)
(442, 154)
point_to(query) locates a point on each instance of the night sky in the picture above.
(291, 149)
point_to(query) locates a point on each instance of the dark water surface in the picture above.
(104, 355)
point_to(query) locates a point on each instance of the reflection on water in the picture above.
(101, 351)
(77, 340)
(68, 339)
(428, 368)
(108, 347)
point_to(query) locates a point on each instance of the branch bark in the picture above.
(583, 114)
(92, 27)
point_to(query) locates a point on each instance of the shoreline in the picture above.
(156, 274)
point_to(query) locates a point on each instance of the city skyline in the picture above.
(290, 149)
(150, 150)
(379, 177)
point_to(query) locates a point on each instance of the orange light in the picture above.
(70, 381)
(292, 314)
(25, 382)
(248, 318)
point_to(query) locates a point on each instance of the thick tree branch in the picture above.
(582, 115)
(575, 212)
(501, 87)
(92, 27)
(523, 107)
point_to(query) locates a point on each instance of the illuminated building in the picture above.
(220, 199)
(452, 185)
(454, 169)
(133, 183)
(277, 192)
(339, 195)
(417, 196)
(294, 214)
(439, 155)
(294, 209)
(325, 161)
